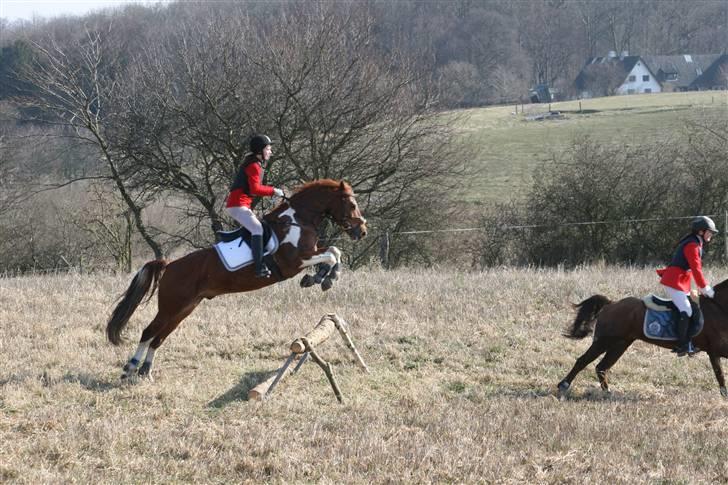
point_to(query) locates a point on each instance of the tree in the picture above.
(75, 87)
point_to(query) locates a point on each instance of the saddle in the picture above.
(235, 253)
(244, 234)
(661, 318)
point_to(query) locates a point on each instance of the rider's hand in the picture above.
(708, 291)
(278, 192)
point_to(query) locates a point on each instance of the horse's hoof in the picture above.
(145, 370)
(326, 284)
(307, 281)
(562, 389)
(724, 392)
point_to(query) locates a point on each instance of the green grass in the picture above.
(508, 147)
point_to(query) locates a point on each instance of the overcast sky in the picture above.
(26, 9)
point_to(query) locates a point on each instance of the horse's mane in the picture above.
(322, 183)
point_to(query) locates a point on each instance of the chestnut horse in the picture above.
(185, 282)
(617, 324)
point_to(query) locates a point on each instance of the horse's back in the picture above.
(622, 318)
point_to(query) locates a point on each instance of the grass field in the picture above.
(463, 371)
(508, 147)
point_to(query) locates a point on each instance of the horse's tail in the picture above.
(586, 316)
(145, 278)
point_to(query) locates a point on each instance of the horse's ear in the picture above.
(342, 186)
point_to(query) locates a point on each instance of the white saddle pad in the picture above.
(235, 255)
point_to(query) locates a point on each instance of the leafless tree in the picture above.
(75, 88)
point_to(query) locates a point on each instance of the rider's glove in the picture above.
(278, 192)
(708, 291)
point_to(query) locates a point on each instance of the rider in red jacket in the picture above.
(248, 184)
(687, 263)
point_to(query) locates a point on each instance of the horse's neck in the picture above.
(303, 214)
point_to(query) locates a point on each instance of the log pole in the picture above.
(342, 327)
(326, 367)
(259, 392)
(320, 333)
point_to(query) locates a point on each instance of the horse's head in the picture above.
(333, 199)
(344, 210)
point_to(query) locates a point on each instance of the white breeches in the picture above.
(680, 299)
(247, 219)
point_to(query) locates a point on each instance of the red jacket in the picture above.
(676, 275)
(248, 185)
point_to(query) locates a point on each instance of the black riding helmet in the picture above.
(701, 223)
(258, 142)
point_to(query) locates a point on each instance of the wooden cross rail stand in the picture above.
(304, 346)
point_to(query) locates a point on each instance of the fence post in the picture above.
(384, 249)
(725, 236)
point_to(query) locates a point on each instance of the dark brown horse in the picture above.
(617, 324)
(185, 282)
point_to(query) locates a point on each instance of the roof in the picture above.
(687, 67)
(596, 67)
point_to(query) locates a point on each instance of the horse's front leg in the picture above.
(715, 362)
(329, 260)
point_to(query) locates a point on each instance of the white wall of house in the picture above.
(639, 80)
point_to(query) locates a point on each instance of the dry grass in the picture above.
(463, 370)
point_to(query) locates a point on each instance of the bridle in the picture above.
(346, 223)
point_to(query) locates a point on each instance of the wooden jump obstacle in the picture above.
(302, 348)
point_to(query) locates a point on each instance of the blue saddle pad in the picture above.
(663, 325)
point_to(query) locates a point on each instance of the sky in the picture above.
(13, 10)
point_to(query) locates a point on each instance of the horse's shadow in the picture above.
(239, 392)
(91, 382)
(87, 381)
(588, 395)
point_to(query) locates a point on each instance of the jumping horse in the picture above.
(616, 325)
(183, 283)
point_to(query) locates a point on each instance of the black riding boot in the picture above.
(684, 344)
(256, 244)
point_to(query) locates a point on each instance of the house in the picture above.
(605, 76)
(681, 73)
(715, 76)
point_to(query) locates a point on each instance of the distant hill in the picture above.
(508, 147)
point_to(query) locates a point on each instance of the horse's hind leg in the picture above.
(143, 348)
(160, 334)
(598, 347)
(613, 354)
(718, 371)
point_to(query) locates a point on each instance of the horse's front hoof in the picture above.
(307, 281)
(724, 392)
(326, 284)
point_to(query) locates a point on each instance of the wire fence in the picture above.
(385, 237)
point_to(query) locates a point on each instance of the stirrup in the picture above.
(681, 350)
(692, 350)
(264, 272)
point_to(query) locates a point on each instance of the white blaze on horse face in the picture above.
(294, 232)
